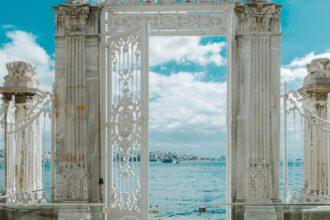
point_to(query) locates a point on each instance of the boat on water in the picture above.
(170, 160)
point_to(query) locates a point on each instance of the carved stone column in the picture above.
(255, 159)
(315, 93)
(22, 134)
(77, 101)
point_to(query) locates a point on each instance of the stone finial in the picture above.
(317, 81)
(20, 74)
(77, 2)
(256, 1)
(319, 68)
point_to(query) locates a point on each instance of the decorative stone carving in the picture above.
(127, 120)
(20, 74)
(73, 17)
(317, 81)
(19, 71)
(202, 21)
(127, 128)
(124, 200)
(319, 68)
(258, 17)
(78, 1)
(260, 180)
(75, 181)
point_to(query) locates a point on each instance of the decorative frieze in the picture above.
(258, 17)
(215, 22)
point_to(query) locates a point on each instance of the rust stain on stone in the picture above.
(19, 174)
(81, 158)
(57, 114)
(80, 107)
(57, 102)
(72, 158)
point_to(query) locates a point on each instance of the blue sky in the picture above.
(188, 87)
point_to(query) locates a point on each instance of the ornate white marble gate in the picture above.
(101, 97)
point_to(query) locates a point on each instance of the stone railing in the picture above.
(298, 196)
(37, 196)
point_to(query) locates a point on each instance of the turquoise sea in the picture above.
(177, 191)
(181, 189)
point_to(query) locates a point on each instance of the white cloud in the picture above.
(8, 26)
(181, 103)
(296, 70)
(185, 49)
(184, 100)
(187, 114)
(23, 46)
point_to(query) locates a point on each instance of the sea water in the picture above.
(177, 191)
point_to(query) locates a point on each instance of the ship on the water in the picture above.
(170, 160)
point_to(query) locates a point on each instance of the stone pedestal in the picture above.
(260, 212)
(74, 212)
(22, 133)
(77, 109)
(315, 100)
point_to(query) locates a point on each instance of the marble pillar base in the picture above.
(260, 212)
(71, 212)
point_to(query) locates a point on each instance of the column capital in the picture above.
(20, 74)
(78, 1)
(258, 17)
(317, 81)
(77, 17)
(20, 82)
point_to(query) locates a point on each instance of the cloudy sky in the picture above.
(187, 74)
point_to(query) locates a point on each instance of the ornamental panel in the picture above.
(128, 122)
(260, 180)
